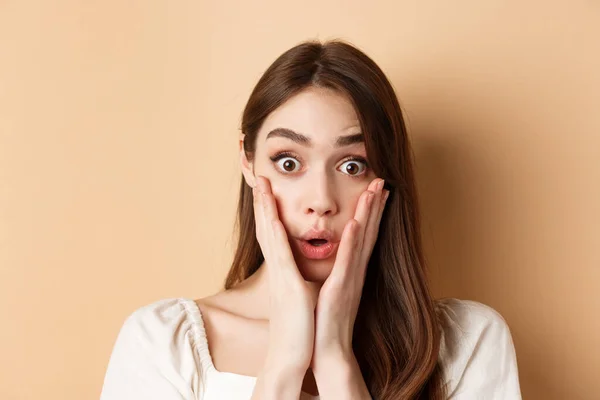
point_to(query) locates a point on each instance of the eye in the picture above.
(286, 163)
(354, 167)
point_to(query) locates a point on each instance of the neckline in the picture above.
(206, 357)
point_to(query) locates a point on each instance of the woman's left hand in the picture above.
(340, 294)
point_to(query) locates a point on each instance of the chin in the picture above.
(314, 270)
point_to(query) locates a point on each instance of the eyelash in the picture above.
(285, 154)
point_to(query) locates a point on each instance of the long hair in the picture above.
(396, 334)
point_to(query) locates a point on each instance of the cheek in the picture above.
(285, 202)
(351, 200)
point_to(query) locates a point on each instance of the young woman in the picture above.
(327, 296)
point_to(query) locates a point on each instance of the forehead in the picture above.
(319, 113)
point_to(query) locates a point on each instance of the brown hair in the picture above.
(396, 334)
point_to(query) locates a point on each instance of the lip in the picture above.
(317, 252)
(317, 234)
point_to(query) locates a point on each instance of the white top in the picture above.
(161, 353)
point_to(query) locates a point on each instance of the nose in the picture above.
(320, 198)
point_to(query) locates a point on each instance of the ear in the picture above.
(247, 166)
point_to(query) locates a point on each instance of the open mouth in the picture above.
(317, 242)
(317, 249)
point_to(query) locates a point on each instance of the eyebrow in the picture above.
(340, 141)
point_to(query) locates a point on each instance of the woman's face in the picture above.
(312, 151)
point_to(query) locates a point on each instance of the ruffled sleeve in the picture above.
(477, 352)
(154, 356)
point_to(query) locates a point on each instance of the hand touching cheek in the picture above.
(340, 295)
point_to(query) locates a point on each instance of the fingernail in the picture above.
(386, 195)
(380, 185)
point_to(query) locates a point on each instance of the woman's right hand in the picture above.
(292, 302)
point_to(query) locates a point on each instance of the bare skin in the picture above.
(238, 325)
(238, 335)
(290, 324)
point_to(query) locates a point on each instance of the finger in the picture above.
(269, 205)
(260, 220)
(346, 253)
(363, 210)
(285, 264)
(281, 253)
(372, 224)
(268, 201)
(372, 230)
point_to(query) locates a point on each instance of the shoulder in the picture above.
(476, 351)
(465, 324)
(161, 314)
(162, 321)
(156, 343)
(466, 317)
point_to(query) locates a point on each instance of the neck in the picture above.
(253, 293)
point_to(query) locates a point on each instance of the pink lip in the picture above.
(317, 252)
(317, 234)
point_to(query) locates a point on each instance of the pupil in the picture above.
(351, 168)
(288, 165)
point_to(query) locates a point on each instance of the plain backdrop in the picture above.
(119, 123)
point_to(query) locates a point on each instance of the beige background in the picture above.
(118, 165)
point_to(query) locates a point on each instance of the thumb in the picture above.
(346, 251)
